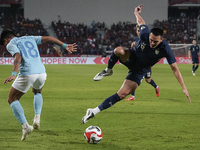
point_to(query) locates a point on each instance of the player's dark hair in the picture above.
(137, 26)
(157, 32)
(6, 34)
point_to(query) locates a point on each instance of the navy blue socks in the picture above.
(153, 83)
(196, 67)
(193, 68)
(109, 102)
(112, 60)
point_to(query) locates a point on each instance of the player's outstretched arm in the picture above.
(189, 54)
(17, 61)
(198, 53)
(69, 47)
(178, 75)
(137, 12)
(133, 44)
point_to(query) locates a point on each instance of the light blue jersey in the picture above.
(27, 46)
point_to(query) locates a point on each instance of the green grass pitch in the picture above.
(168, 122)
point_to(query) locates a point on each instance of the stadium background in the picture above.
(168, 122)
(99, 26)
(108, 11)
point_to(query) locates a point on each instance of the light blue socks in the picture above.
(18, 111)
(38, 101)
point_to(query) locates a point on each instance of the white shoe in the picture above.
(26, 132)
(193, 73)
(36, 123)
(89, 114)
(101, 74)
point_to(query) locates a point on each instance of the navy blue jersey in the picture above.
(136, 39)
(194, 50)
(147, 56)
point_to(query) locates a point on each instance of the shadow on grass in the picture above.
(10, 130)
(48, 132)
(155, 113)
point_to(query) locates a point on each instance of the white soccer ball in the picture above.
(93, 134)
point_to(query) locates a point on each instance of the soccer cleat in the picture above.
(36, 123)
(101, 74)
(157, 91)
(193, 73)
(89, 114)
(131, 98)
(26, 132)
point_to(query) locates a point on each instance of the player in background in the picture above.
(32, 73)
(148, 51)
(148, 75)
(194, 51)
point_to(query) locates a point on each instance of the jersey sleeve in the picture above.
(136, 39)
(144, 32)
(38, 39)
(169, 54)
(12, 49)
(190, 48)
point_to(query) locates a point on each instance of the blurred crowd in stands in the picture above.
(24, 26)
(178, 30)
(97, 38)
(87, 37)
(173, 2)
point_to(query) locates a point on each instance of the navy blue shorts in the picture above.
(148, 75)
(136, 72)
(195, 60)
(136, 76)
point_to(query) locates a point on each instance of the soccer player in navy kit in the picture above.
(194, 51)
(148, 74)
(31, 73)
(148, 51)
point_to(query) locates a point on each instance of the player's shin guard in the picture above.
(112, 60)
(18, 111)
(38, 101)
(109, 102)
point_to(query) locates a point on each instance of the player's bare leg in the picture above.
(127, 87)
(123, 53)
(18, 111)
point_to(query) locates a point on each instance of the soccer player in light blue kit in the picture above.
(194, 51)
(31, 73)
(148, 51)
